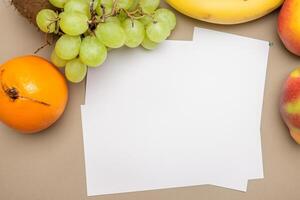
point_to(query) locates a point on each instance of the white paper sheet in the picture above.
(232, 182)
(200, 37)
(239, 184)
(98, 184)
(242, 46)
(173, 118)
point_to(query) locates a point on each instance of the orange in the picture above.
(33, 94)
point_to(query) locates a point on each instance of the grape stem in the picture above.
(47, 34)
(103, 12)
(47, 43)
(92, 10)
(130, 14)
(114, 12)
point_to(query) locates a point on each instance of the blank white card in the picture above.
(187, 113)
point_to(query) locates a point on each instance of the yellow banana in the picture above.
(225, 11)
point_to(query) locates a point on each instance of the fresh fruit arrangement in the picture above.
(30, 103)
(225, 12)
(87, 29)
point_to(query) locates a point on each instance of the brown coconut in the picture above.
(30, 8)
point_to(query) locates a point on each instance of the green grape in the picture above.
(87, 33)
(125, 4)
(148, 44)
(73, 23)
(122, 16)
(60, 15)
(111, 34)
(99, 10)
(92, 52)
(107, 4)
(107, 10)
(134, 5)
(149, 6)
(46, 20)
(146, 19)
(81, 6)
(57, 61)
(135, 32)
(158, 31)
(96, 3)
(113, 19)
(58, 3)
(67, 47)
(166, 16)
(75, 71)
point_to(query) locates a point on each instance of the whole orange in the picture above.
(33, 94)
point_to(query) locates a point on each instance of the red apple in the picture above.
(290, 104)
(289, 25)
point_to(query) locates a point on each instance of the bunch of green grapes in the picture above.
(89, 28)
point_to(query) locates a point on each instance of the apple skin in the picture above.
(290, 104)
(289, 25)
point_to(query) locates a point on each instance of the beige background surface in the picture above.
(50, 166)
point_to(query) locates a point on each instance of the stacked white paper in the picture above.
(187, 113)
